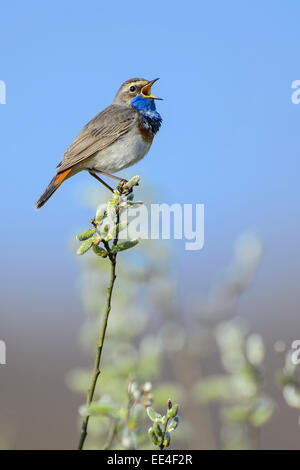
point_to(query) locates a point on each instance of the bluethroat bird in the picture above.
(115, 139)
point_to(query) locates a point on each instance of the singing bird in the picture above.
(115, 139)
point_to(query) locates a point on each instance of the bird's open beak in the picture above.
(146, 90)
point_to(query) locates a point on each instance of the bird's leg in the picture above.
(122, 181)
(101, 181)
(111, 176)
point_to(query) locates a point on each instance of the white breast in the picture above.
(124, 152)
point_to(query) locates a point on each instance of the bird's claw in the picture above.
(122, 190)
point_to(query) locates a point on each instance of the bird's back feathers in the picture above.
(99, 133)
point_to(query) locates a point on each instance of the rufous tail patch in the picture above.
(62, 176)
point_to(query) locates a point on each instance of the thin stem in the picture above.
(161, 446)
(96, 371)
(112, 435)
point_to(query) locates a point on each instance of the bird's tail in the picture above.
(51, 188)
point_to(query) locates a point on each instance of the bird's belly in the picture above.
(123, 153)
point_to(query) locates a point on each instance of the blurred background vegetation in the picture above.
(200, 351)
(157, 345)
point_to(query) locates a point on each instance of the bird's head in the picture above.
(135, 88)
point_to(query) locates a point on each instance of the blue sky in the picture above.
(230, 137)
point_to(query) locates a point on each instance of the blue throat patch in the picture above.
(146, 106)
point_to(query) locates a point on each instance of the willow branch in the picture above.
(96, 371)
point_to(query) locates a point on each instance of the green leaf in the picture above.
(100, 214)
(283, 379)
(105, 228)
(124, 246)
(263, 412)
(153, 437)
(99, 251)
(157, 429)
(133, 182)
(255, 349)
(167, 439)
(100, 409)
(111, 206)
(153, 415)
(238, 413)
(173, 424)
(213, 388)
(86, 245)
(116, 229)
(173, 411)
(85, 235)
(292, 396)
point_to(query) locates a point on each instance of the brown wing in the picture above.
(100, 132)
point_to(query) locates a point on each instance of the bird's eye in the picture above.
(132, 88)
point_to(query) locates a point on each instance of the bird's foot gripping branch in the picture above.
(103, 239)
(103, 236)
